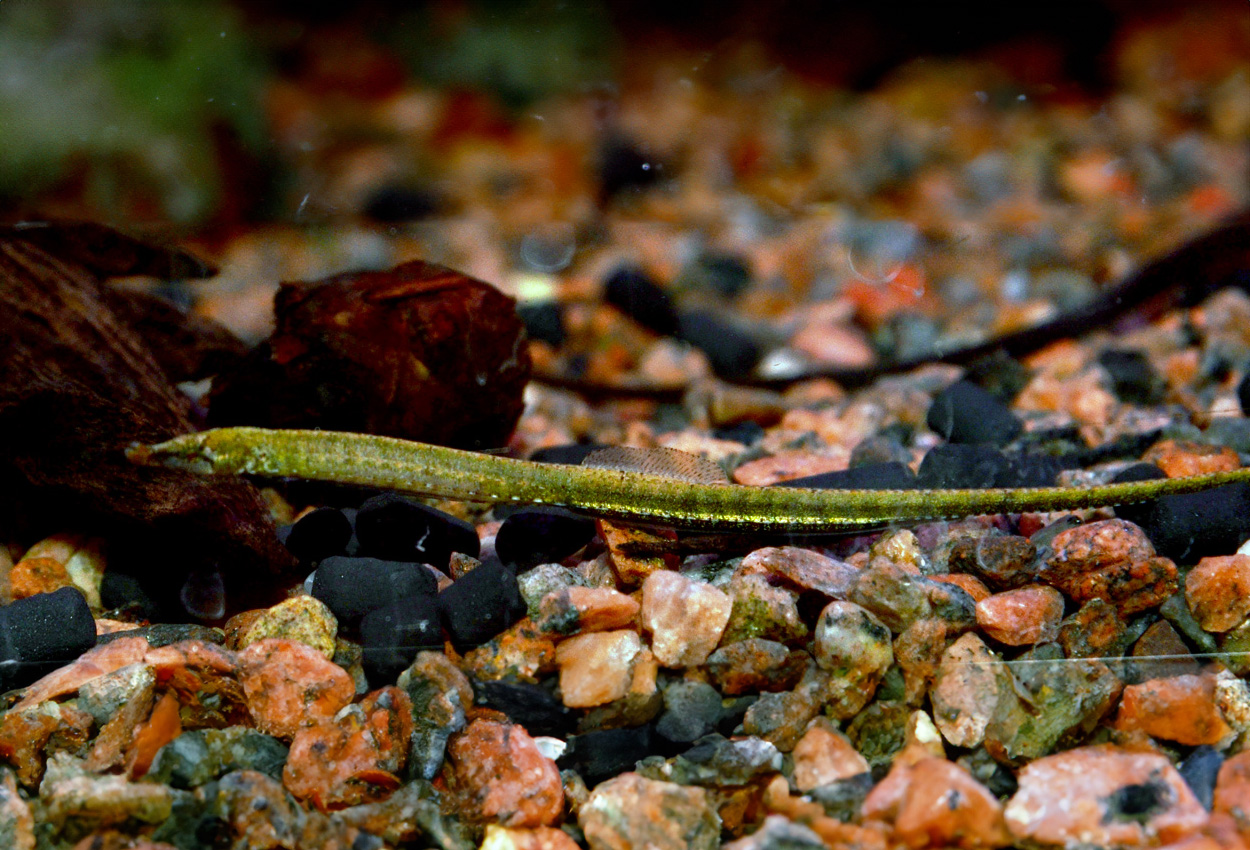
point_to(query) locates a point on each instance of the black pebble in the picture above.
(731, 351)
(353, 587)
(1133, 379)
(41, 633)
(532, 706)
(872, 476)
(396, 528)
(1243, 393)
(393, 204)
(319, 534)
(544, 320)
(1188, 527)
(119, 591)
(965, 413)
(632, 291)
(481, 604)
(970, 466)
(533, 536)
(572, 453)
(747, 432)
(623, 166)
(392, 636)
(1200, 770)
(727, 275)
(604, 753)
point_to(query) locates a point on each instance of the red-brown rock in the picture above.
(501, 776)
(1218, 592)
(936, 803)
(290, 686)
(1102, 796)
(1180, 708)
(1021, 617)
(420, 352)
(355, 758)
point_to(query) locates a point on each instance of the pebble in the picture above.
(42, 631)
(686, 618)
(629, 569)
(102, 696)
(718, 761)
(824, 756)
(793, 468)
(289, 685)
(761, 610)
(1181, 709)
(894, 594)
(523, 653)
(804, 569)
(17, 823)
(965, 691)
(586, 609)
(544, 320)
(1181, 459)
(319, 534)
(529, 705)
(396, 528)
(356, 757)
(1218, 592)
(891, 475)
(481, 604)
(1093, 631)
(965, 413)
(755, 665)
(597, 667)
(301, 618)
(936, 803)
(1133, 379)
(604, 753)
(965, 466)
(537, 583)
(1102, 796)
(1111, 560)
(539, 838)
(26, 736)
(1022, 617)
(636, 294)
(393, 635)
(1196, 525)
(1001, 561)
(854, 647)
(782, 718)
(630, 811)
(777, 832)
(352, 587)
(441, 696)
(1232, 788)
(33, 575)
(918, 653)
(73, 801)
(1052, 699)
(83, 560)
(691, 710)
(256, 811)
(1200, 770)
(732, 351)
(409, 816)
(502, 776)
(533, 536)
(198, 756)
(1161, 653)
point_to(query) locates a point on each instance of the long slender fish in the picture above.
(633, 497)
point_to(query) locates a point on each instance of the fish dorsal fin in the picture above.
(664, 462)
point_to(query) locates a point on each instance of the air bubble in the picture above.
(549, 248)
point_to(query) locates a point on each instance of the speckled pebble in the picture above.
(686, 618)
(1022, 617)
(936, 803)
(440, 695)
(761, 610)
(755, 665)
(804, 569)
(1102, 796)
(585, 609)
(965, 691)
(1179, 708)
(289, 685)
(357, 757)
(629, 811)
(502, 776)
(824, 756)
(301, 618)
(597, 667)
(17, 824)
(854, 647)
(1218, 592)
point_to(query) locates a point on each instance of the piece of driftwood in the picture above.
(79, 383)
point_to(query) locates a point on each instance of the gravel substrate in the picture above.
(455, 675)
